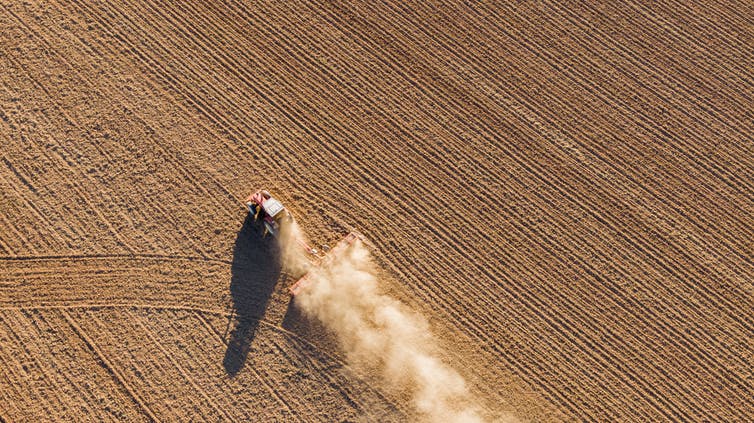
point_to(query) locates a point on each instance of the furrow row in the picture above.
(693, 310)
(115, 372)
(734, 251)
(118, 281)
(149, 133)
(678, 41)
(141, 322)
(640, 117)
(143, 366)
(187, 336)
(59, 165)
(644, 186)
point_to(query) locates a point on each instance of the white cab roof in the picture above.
(272, 207)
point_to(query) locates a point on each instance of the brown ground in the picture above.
(566, 191)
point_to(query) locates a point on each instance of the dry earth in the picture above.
(565, 189)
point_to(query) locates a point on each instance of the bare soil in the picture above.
(564, 189)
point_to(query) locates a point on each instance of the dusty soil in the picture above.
(565, 190)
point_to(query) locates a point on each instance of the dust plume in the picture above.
(291, 241)
(380, 335)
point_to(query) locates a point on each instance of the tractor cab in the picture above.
(272, 207)
(268, 210)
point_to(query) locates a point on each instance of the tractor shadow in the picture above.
(255, 270)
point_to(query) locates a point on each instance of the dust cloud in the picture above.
(381, 336)
(291, 242)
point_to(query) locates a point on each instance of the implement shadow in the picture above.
(255, 270)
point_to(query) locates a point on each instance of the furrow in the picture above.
(116, 372)
(188, 377)
(270, 389)
(547, 242)
(184, 171)
(93, 384)
(732, 180)
(735, 35)
(71, 281)
(556, 277)
(239, 396)
(651, 67)
(735, 251)
(16, 235)
(30, 204)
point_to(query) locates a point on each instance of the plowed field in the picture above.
(564, 189)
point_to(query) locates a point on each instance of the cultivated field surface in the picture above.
(563, 189)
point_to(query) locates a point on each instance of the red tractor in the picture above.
(274, 215)
(269, 210)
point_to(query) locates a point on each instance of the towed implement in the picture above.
(339, 248)
(274, 216)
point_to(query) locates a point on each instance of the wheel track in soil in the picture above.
(78, 312)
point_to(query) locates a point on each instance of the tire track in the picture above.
(115, 372)
(46, 259)
(68, 280)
